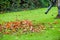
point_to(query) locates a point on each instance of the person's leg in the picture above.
(58, 16)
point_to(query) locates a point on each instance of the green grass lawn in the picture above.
(37, 16)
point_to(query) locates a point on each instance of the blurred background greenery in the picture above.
(17, 5)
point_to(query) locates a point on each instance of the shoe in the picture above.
(58, 17)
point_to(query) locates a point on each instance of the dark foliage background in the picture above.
(17, 5)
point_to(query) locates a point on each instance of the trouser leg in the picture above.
(58, 16)
(58, 10)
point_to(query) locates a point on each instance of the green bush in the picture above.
(15, 5)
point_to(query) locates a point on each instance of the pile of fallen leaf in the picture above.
(23, 26)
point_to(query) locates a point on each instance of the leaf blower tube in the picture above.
(52, 3)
